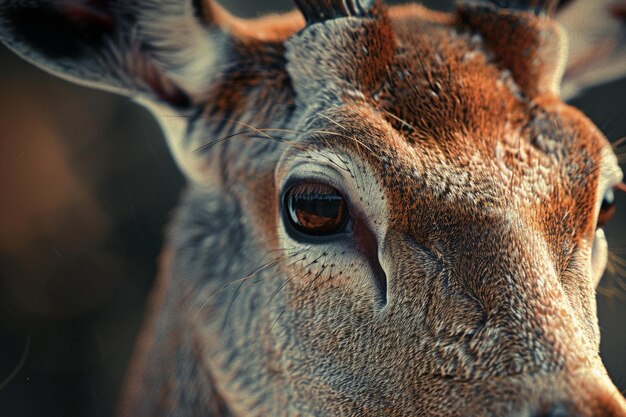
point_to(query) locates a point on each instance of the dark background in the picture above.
(86, 186)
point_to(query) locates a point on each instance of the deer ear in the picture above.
(597, 38)
(170, 55)
(158, 50)
(532, 46)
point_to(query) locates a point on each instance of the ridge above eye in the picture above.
(316, 209)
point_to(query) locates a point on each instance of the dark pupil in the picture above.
(316, 213)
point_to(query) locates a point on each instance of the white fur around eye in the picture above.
(339, 259)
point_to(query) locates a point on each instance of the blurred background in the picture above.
(86, 187)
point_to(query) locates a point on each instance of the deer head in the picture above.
(390, 211)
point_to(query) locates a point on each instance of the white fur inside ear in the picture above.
(174, 127)
(181, 45)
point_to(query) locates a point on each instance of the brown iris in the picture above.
(316, 209)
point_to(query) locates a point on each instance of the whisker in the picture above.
(610, 293)
(231, 302)
(290, 279)
(270, 264)
(619, 270)
(253, 134)
(352, 138)
(284, 261)
(243, 281)
(345, 167)
(222, 139)
(619, 142)
(618, 259)
(336, 123)
(249, 126)
(277, 318)
(230, 305)
(404, 122)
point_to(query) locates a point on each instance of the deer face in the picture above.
(391, 211)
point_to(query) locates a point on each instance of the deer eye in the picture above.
(316, 209)
(607, 209)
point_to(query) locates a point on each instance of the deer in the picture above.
(389, 211)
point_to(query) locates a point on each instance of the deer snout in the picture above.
(560, 410)
(589, 398)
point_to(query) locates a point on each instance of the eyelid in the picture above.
(357, 183)
(313, 187)
(311, 172)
